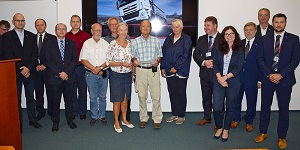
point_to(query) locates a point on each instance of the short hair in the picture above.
(250, 24)
(75, 16)
(265, 9)
(58, 24)
(112, 18)
(179, 22)
(40, 19)
(212, 19)
(5, 23)
(94, 25)
(121, 23)
(279, 15)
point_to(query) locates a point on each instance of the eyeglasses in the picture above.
(263, 15)
(19, 20)
(61, 29)
(113, 25)
(230, 34)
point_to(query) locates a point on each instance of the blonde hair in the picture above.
(119, 24)
(178, 21)
(250, 24)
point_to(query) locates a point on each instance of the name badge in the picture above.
(208, 54)
(276, 59)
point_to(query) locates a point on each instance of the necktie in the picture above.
(62, 49)
(210, 43)
(276, 52)
(40, 43)
(247, 49)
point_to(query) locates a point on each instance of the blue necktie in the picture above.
(210, 43)
(276, 52)
(62, 49)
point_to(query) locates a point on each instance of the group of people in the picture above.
(72, 63)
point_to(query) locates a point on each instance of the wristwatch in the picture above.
(101, 67)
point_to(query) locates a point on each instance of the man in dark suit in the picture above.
(20, 43)
(60, 60)
(42, 37)
(249, 78)
(263, 27)
(203, 57)
(277, 60)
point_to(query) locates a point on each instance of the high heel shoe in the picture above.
(217, 137)
(118, 130)
(128, 125)
(224, 139)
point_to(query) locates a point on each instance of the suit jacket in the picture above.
(249, 76)
(47, 37)
(1, 51)
(270, 29)
(199, 55)
(55, 64)
(235, 66)
(12, 49)
(288, 59)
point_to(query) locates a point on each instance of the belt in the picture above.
(88, 70)
(144, 67)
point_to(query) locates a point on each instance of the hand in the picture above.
(96, 70)
(155, 64)
(135, 63)
(25, 71)
(63, 76)
(163, 73)
(259, 85)
(173, 70)
(222, 79)
(224, 84)
(42, 67)
(208, 63)
(275, 78)
(126, 64)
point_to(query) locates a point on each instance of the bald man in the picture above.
(20, 43)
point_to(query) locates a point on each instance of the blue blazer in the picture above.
(55, 64)
(288, 59)
(47, 37)
(177, 55)
(249, 76)
(235, 66)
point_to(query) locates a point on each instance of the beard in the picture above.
(279, 30)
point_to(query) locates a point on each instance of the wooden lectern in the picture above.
(10, 134)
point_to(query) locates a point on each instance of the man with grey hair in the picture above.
(112, 25)
(263, 27)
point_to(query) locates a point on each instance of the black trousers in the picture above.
(56, 91)
(39, 94)
(177, 94)
(207, 88)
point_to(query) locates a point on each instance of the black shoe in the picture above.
(72, 125)
(103, 121)
(93, 122)
(55, 127)
(39, 117)
(35, 124)
(82, 117)
(73, 117)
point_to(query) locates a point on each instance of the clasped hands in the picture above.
(63, 76)
(222, 80)
(275, 78)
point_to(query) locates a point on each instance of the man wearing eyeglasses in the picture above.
(263, 27)
(20, 43)
(60, 60)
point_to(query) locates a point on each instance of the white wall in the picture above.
(229, 12)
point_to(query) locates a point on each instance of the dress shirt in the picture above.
(226, 62)
(212, 43)
(146, 49)
(263, 31)
(38, 37)
(281, 38)
(21, 36)
(58, 42)
(251, 42)
(94, 52)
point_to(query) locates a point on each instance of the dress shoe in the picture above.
(281, 143)
(82, 117)
(234, 124)
(39, 117)
(72, 125)
(93, 122)
(203, 121)
(35, 124)
(260, 138)
(143, 124)
(156, 125)
(118, 130)
(128, 125)
(249, 127)
(103, 121)
(223, 138)
(55, 128)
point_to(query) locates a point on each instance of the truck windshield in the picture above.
(124, 2)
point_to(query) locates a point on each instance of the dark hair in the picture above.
(74, 16)
(40, 19)
(223, 45)
(212, 19)
(279, 15)
(5, 23)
